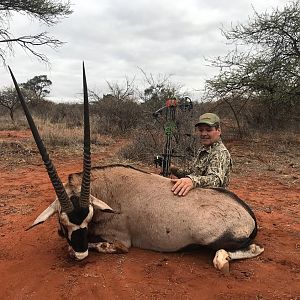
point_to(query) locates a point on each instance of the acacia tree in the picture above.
(39, 85)
(10, 100)
(121, 92)
(46, 11)
(267, 72)
(158, 90)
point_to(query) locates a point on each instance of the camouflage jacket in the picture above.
(210, 168)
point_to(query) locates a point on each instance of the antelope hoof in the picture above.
(256, 249)
(120, 248)
(106, 247)
(221, 261)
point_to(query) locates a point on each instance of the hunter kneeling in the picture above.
(212, 164)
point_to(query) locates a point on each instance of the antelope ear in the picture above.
(100, 204)
(46, 214)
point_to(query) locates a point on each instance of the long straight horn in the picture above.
(60, 191)
(86, 178)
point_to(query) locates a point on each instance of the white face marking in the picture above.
(78, 255)
(81, 255)
(64, 220)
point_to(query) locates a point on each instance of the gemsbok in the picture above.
(112, 208)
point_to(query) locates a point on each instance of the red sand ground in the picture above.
(35, 264)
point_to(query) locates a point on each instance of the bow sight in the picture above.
(170, 126)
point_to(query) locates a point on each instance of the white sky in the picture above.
(116, 37)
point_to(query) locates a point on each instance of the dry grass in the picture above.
(56, 135)
(7, 124)
(60, 135)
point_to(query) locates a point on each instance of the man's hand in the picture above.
(182, 186)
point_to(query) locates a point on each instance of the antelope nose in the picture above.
(81, 255)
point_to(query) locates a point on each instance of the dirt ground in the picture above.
(34, 264)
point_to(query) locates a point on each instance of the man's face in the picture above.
(208, 135)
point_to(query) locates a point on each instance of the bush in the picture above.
(116, 117)
(149, 139)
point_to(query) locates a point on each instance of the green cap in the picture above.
(209, 119)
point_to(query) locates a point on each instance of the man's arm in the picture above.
(218, 167)
(180, 172)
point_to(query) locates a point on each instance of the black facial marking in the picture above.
(79, 237)
(78, 214)
(79, 241)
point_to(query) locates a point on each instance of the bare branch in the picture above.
(47, 11)
(122, 93)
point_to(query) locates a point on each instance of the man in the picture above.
(211, 167)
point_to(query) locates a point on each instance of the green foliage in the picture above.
(157, 91)
(38, 85)
(266, 76)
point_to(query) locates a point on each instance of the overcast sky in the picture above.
(116, 37)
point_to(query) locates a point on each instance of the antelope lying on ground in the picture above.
(112, 208)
